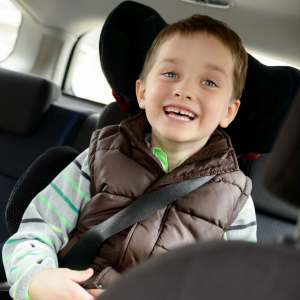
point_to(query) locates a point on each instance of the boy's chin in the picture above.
(176, 138)
(184, 139)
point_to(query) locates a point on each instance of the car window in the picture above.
(269, 61)
(88, 81)
(10, 20)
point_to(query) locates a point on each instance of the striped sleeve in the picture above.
(46, 226)
(244, 227)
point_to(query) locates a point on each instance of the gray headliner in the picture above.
(268, 27)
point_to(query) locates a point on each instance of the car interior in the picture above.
(43, 127)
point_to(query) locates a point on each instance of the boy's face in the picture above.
(193, 75)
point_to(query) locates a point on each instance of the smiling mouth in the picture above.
(180, 114)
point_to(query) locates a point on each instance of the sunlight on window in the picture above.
(10, 20)
(271, 62)
(88, 81)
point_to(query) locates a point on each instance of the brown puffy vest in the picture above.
(123, 168)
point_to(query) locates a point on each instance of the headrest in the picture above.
(282, 172)
(24, 100)
(127, 35)
(266, 98)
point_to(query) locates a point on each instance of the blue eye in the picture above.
(170, 74)
(209, 83)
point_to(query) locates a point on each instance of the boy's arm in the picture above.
(244, 227)
(46, 226)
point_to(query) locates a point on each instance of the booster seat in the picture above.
(127, 34)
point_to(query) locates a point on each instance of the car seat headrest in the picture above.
(127, 35)
(24, 100)
(267, 95)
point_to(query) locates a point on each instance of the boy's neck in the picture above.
(176, 151)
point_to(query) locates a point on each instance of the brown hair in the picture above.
(200, 23)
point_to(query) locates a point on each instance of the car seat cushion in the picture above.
(42, 171)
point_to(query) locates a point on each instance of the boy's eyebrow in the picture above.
(171, 60)
(216, 68)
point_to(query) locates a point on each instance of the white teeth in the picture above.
(181, 111)
(180, 118)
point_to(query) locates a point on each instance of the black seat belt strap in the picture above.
(85, 250)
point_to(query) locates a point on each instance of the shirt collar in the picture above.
(162, 156)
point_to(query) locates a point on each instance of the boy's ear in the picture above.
(140, 93)
(231, 112)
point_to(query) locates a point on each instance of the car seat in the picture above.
(266, 98)
(30, 123)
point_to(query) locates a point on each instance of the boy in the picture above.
(191, 82)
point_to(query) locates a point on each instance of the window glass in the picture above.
(88, 81)
(269, 61)
(10, 20)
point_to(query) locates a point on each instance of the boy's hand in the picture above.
(95, 292)
(60, 284)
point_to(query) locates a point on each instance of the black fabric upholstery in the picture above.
(270, 227)
(29, 124)
(282, 172)
(2, 271)
(126, 36)
(263, 199)
(83, 137)
(4, 295)
(59, 127)
(24, 101)
(34, 180)
(6, 186)
(214, 270)
(268, 93)
(112, 115)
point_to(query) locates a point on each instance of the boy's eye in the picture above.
(170, 74)
(208, 82)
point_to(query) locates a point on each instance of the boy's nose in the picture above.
(183, 94)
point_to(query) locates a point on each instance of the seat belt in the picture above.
(85, 250)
